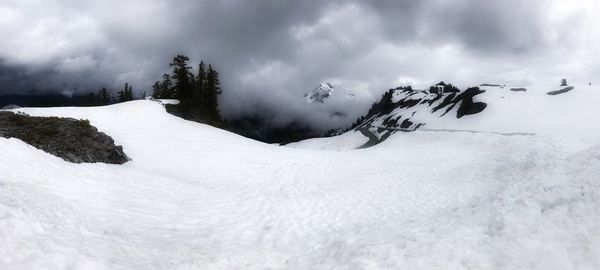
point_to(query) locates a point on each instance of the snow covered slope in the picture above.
(327, 91)
(331, 106)
(195, 197)
(497, 110)
(408, 109)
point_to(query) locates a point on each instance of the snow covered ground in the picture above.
(195, 197)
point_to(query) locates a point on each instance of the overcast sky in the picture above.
(271, 52)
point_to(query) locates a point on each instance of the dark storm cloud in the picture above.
(495, 26)
(271, 52)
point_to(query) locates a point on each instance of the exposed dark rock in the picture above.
(396, 110)
(72, 140)
(467, 106)
(449, 109)
(518, 89)
(391, 121)
(434, 100)
(451, 89)
(563, 82)
(447, 101)
(407, 104)
(373, 140)
(406, 124)
(561, 91)
(475, 108)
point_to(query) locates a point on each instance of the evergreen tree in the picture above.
(130, 93)
(121, 94)
(200, 93)
(213, 90)
(167, 87)
(126, 94)
(88, 100)
(157, 92)
(182, 77)
(163, 89)
(104, 97)
(201, 79)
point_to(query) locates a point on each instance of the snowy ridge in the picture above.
(326, 91)
(506, 111)
(405, 109)
(490, 108)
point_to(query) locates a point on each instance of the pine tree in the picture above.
(213, 90)
(130, 93)
(201, 84)
(201, 80)
(104, 97)
(200, 93)
(181, 75)
(126, 94)
(157, 92)
(121, 94)
(167, 88)
(89, 100)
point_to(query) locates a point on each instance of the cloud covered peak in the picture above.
(270, 53)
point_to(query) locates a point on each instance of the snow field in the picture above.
(195, 197)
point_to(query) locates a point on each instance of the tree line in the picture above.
(105, 97)
(198, 94)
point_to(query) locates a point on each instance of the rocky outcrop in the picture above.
(492, 85)
(398, 107)
(72, 140)
(467, 105)
(404, 109)
(561, 91)
(520, 89)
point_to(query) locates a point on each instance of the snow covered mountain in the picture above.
(404, 109)
(327, 91)
(514, 186)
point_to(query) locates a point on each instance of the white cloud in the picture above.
(273, 53)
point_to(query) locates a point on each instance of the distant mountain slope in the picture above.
(326, 91)
(490, 108)
(406, 109)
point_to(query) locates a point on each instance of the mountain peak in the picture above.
(325, 90)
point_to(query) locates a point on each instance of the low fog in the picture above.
(271, 53)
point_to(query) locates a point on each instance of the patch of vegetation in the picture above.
(84, 123)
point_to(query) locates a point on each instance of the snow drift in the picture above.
(195, 197)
